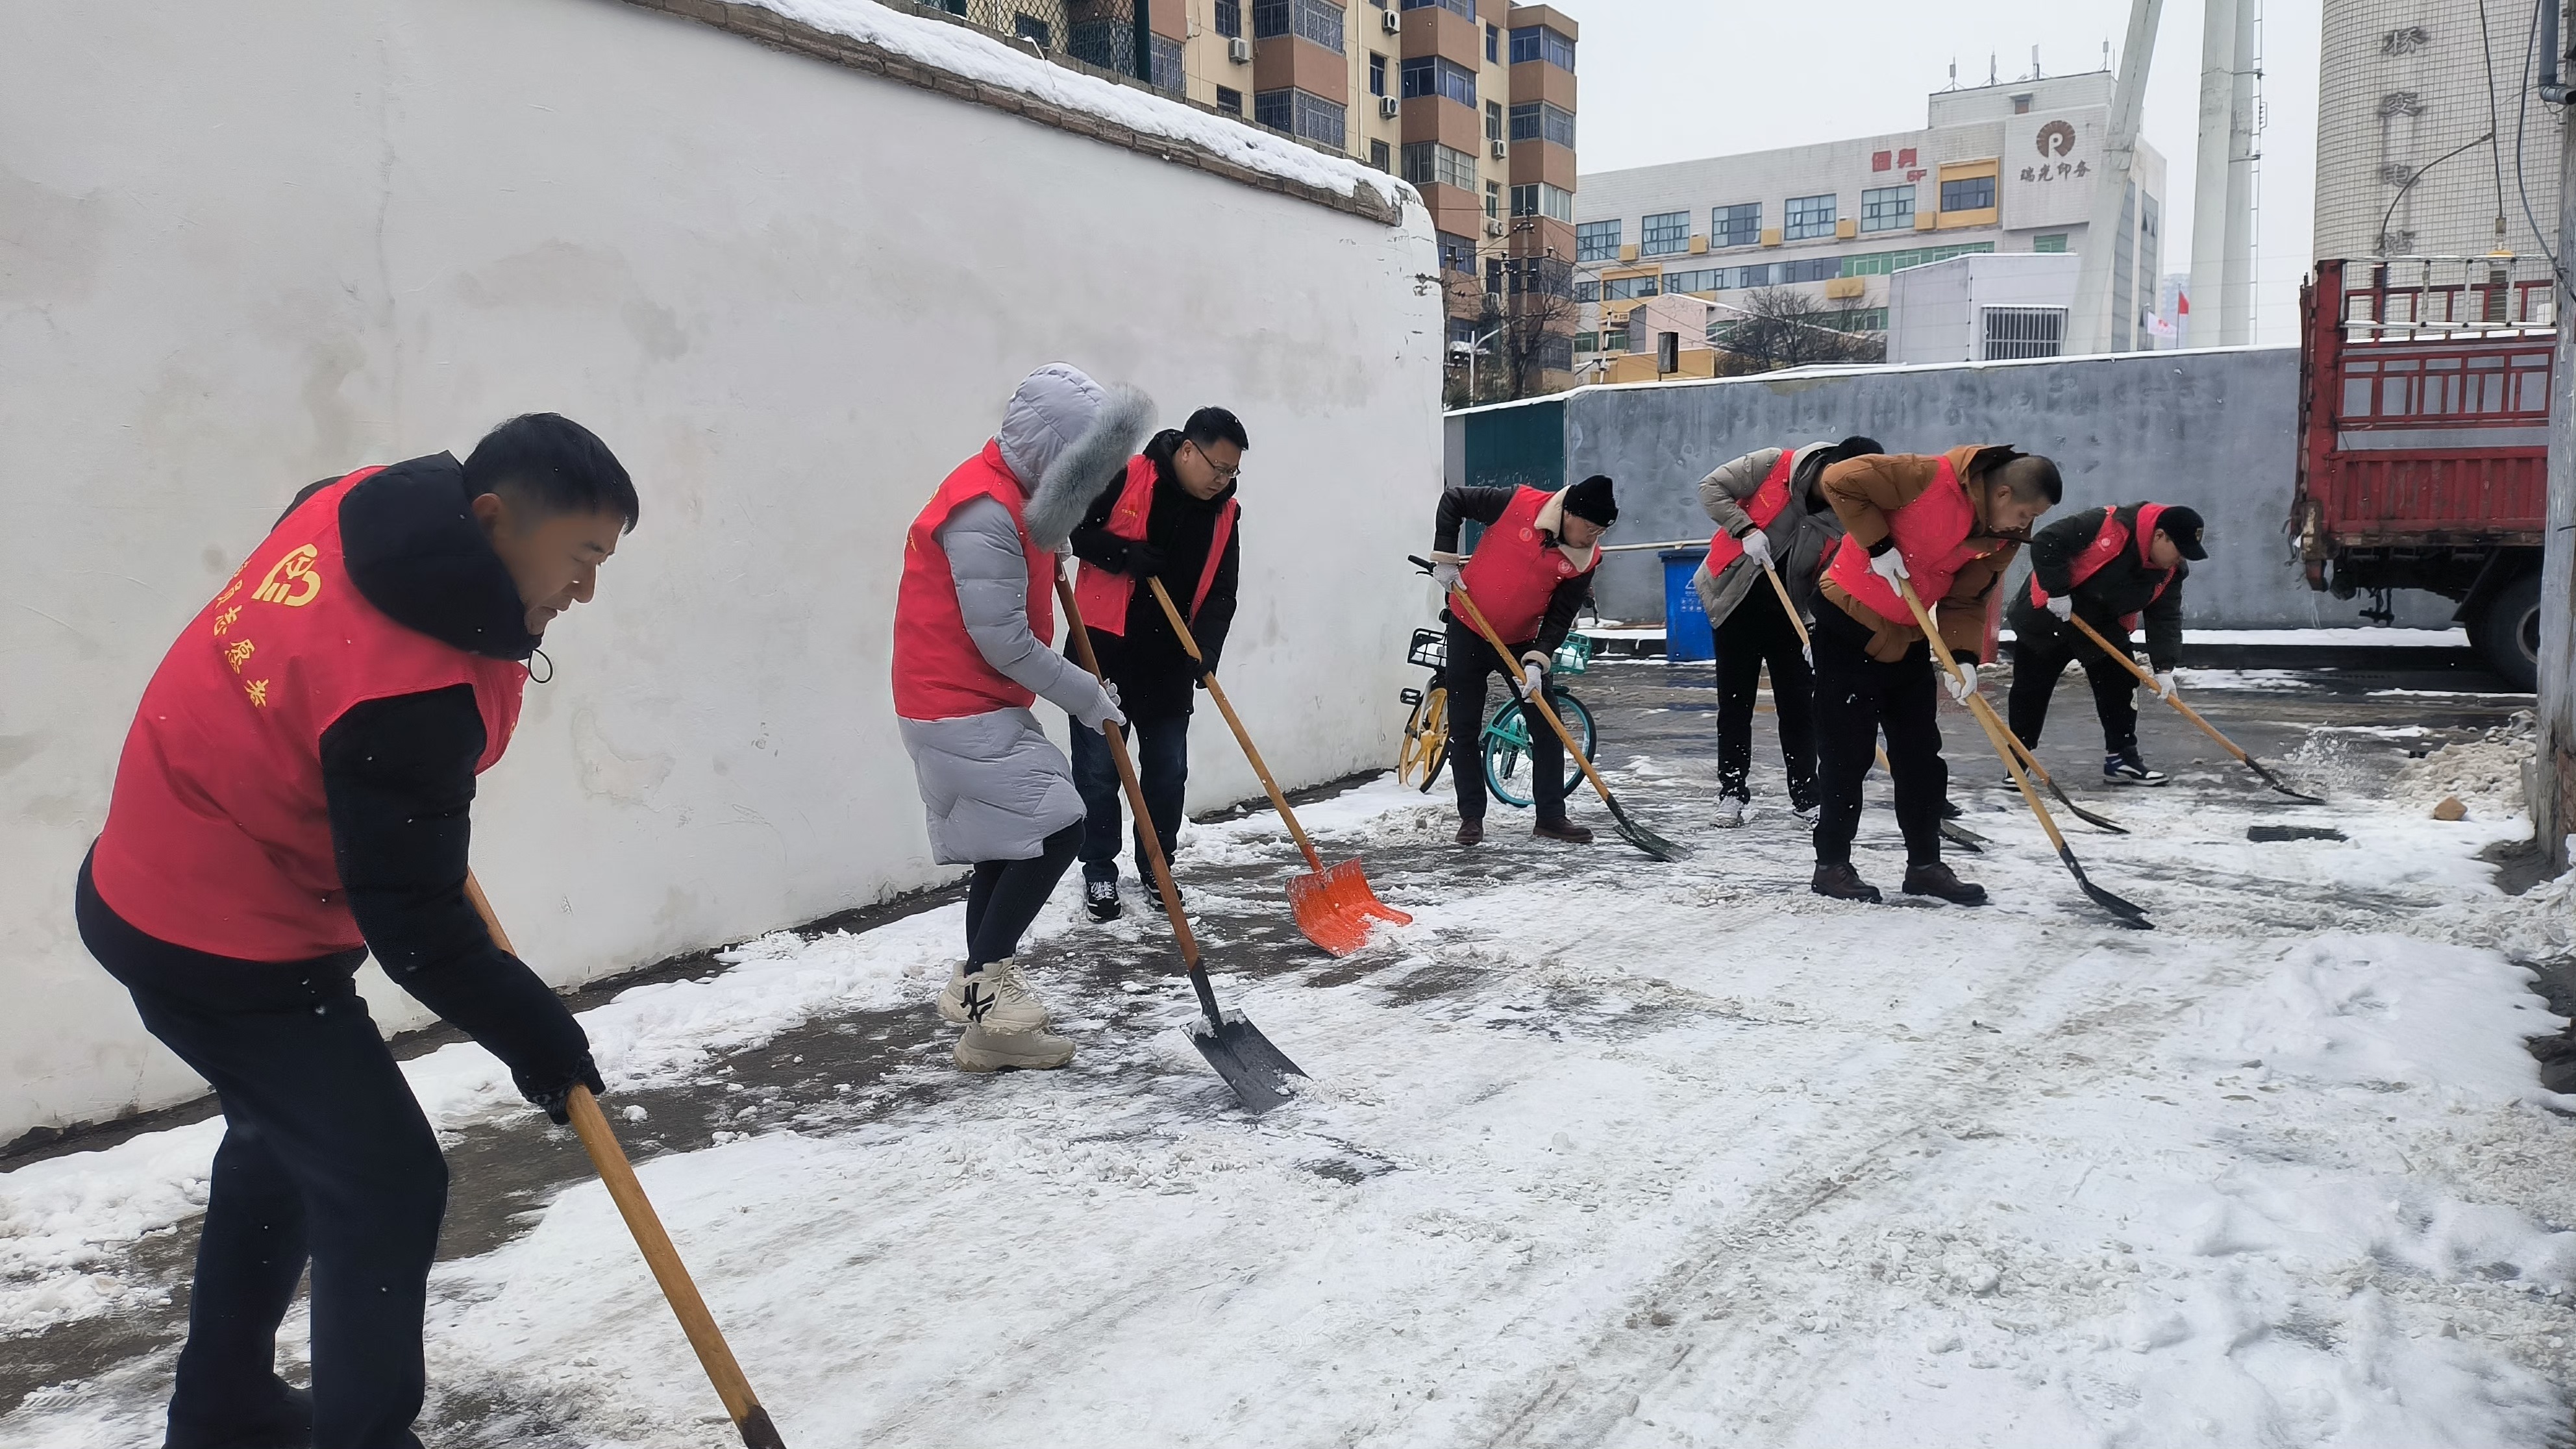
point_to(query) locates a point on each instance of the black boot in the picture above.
(1101, 896)
(1937, 879)
(1843, 883)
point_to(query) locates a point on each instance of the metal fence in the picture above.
(2024, 331)
(1110, 34)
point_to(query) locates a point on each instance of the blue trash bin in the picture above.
(1687, 635)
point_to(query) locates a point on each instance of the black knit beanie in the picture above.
(1591, 499)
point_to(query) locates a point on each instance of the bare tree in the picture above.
(1780, 328)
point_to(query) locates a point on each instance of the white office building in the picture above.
(2001, 168)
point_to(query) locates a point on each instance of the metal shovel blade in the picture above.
(1322, 914)
(1640, 837)
(1964, 838)
(2274, 781)
(2080, 813)
(2127, 913)
(1258, 1072)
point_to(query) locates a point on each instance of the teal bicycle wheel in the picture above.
(1507, 762)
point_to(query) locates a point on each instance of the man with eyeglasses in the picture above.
(1174, 519)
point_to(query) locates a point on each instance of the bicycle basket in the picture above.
(1574, 656)
(1430, 649)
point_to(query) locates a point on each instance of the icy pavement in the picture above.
(1598, 1151)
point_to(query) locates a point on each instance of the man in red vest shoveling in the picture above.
(1947, 526)
(294, 794)
(1531, 571)
(1770, 516)
(971, 622)
(1172, 519)
(2111, 567)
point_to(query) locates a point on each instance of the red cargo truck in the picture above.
(2424, 440)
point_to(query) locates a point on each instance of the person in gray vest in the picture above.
(1769, 514)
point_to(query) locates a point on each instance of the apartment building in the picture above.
(1999, 168)
(1473, 101)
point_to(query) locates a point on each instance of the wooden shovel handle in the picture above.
(591, 1125)
(1145, 835)
(1529, 697)
(1984, 713)
(2149, 680)
(1242, 736)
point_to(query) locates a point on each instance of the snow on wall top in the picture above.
(968, 54)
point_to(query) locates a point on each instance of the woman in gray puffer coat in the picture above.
(972, 623)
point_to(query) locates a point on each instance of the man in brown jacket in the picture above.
(1947, 525)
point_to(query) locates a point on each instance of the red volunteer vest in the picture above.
(1103, 595)
(1932, 532)
(2106, 545)
(1514, 571)
(1723, 547)
(218, 838)
(938, 671)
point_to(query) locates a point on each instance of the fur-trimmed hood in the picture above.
(1073, 438)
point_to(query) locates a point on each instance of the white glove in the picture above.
(1889, 565)
(1104, 710)
(2063, 606)
(1757, 547)
(1962, 684)
(1446, 576)
(1534, 666)
(2165, 684)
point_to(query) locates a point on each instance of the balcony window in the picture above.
(1537, 42)
(1428, 163)
(1301, 114)
(1319, 21)
(1541, 199)
(1433, 75)
(1539, 121)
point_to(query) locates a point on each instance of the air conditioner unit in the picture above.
(1493, 228)
(1389, 107)
(1239, 50)
(1390, 22)
(1500, 149)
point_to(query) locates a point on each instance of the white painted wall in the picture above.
(247, 246)
(1935, 311)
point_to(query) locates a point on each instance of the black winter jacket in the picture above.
(1148, 664)
(398, 773)
(2122, 587)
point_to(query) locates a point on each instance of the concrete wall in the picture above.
(2211, 429)
(250, 245)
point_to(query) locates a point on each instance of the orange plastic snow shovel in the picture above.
(1333, 907)
(1257, 1070)
(740, 1404)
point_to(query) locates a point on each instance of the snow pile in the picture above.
(976, 56)
(2484, 772)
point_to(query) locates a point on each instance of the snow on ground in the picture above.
(1598, 1151)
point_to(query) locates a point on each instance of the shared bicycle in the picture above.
(1504, 741)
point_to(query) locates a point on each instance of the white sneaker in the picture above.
(1730, 812)
(982, 1049)
(997, 998)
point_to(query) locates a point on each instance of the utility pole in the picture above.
(2093, 322)
(2553, 776)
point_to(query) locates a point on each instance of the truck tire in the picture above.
(2506, 632)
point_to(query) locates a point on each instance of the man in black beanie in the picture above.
(2111, 567)
(1531, 571)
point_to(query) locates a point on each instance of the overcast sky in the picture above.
(1669, 80)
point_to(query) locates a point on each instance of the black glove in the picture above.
(1143, 559)
(495, 999)
(1199, 669)
(556, 1098)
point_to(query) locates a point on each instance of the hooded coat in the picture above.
(1801, 535)
(993, 786)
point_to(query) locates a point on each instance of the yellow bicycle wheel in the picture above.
(1426, 741)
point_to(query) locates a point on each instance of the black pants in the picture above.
(326, 1158)
(1471, 660)
(1759, 632)
(2037, 662)
(1161, 746)
(1856, 698)
(1005, 895)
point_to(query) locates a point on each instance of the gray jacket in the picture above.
(993, 786)
(1799, 536)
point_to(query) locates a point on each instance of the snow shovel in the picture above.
(2031, 762)
(749, 1419)
(2127, 913)
(1257, 1071)
(1629, 830)
(2224, 743)
(1958, 835)
(1333, 907)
